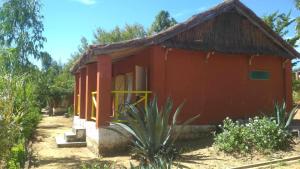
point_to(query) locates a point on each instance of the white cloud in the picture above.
(189, 12)
(87, 2)
(202, 9)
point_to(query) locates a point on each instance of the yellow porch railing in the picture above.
(78, 105)
(94, 105)
(143, 99)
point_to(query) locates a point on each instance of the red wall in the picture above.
(220, 86)
(216, 87)
(127, 65)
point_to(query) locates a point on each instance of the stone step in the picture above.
(80, 132)
(77, 128)
(70, 137)
(294, 127)
(295, 132)
(62, 143)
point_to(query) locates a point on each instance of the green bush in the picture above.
(98, 165)
(158, 164)
(260, 134)
(266, 135)
(234, 137)
(17, 156)
(30, 121)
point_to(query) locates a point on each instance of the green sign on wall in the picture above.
(259, 75)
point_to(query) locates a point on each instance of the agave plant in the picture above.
(152, 131)
(159, 164)
(282, 117)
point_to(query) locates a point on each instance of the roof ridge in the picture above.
(191, 22)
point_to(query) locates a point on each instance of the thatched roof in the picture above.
(269, 42)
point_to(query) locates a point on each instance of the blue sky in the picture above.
(66, 21)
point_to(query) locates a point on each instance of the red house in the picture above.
(225, 62)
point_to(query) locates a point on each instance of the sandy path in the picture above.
(48, 156)
(46, 153)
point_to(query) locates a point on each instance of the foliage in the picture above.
(297, 3)
(296, 96)
(153, 133)
(21, 27)
(266, 135)
(20, 93)
(29, 121)
(234, 137)
(70, 112)
(158, 164)
(117, 34)
(9, 129)
(280, 23)
(84, 45)
(162, 21)
(282, 117)
(260, 134)
(98, 165)
(18, 156)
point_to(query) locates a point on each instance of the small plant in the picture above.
(152, 132)
(266, 135)
(29, 122)
(234, 137)
(69, 112)
(158, 164)
(98, 165)
(260, 134)
(17, 157)
(282, 117)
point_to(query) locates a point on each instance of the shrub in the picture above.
(266, 135)
(97, 165)
(234, 137)
(260, 134)
(158, 164)
(17, 156)
(152, 131)
(29, 122)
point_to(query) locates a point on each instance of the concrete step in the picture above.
(70, 137)
(62, 143)
(80, 133)
(292, 127)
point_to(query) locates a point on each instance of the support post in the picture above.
(104, 82)
(82, 89)
(158, 72)
(288, 84)
(88, 92)
(76, 92)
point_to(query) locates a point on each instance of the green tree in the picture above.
(297, 3)
(162, 21)
(21, 27)
(46, 60)
(83, 46)
(280, 23)
(117, 34)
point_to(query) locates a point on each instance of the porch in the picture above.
(100, 95)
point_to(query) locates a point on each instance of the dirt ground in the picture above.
(45, 152)
(196, 154)
(201, 154)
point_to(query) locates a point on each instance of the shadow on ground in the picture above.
(54, 126)
(186, 146)
(69, 162)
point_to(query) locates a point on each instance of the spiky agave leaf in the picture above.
(291, 117)
(151, 128)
